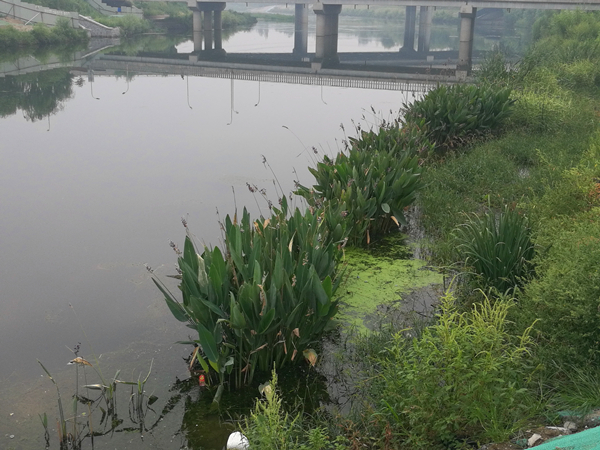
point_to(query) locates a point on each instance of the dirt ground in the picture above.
(545, 433)
(9, 21)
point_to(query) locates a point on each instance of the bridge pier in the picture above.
(207, 28)
(408, 45)
(425, 16)
(218, 29)
(301, 29)
(465, 49)
(197, 29)
(327, 32)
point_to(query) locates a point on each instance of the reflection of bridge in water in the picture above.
(362, 70)
(384, 71)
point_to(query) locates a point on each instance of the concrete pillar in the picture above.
(207, 24)
(301, 29)
(197, 29)
(327, 32)
(465, 49)
(218, 29)
(208, 30)
(409, 29)
(425, 15)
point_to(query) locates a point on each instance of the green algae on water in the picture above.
(380, 276)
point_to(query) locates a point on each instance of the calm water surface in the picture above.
(98, 189)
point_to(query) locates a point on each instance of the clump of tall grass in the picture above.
(497, 248)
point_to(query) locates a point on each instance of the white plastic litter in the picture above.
(237, 441)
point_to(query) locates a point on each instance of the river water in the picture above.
(94, 191)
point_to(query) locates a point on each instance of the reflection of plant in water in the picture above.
(38, 94)
(75, 427)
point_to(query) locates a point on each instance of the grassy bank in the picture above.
(41, 36)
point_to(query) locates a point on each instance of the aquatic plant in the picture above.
(373, 189)
(75, 427)
(496, 247)
(455, 114)
(266, 298)
(394, 137)
(371, 183)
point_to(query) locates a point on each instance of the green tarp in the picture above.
(586, 440)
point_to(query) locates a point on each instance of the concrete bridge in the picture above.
(207, 23)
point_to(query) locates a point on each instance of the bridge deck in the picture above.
(586, 5)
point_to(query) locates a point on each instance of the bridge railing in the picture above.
(336, 78)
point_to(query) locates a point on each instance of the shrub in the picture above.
(266, 298)
(373, 182)
(128, 24)
(10, 38)
(463, 378)
(233, 19)
(497, 248)
(64, 33)
(455, 114)
(566, 25)
(42, 34)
